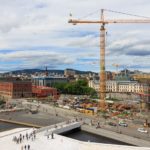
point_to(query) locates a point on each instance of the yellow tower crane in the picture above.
(103, 22)
(117, 66)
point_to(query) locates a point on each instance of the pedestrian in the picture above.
(91, 123)
(76, 119)
(34, 136)
(28, 147)
(13, 139)
(27, 136)
(31, 134)
(20, 139)
(52, 135)
(98, 125)
(33, 130)
(22, 147)
(16, 140)
(25, 147)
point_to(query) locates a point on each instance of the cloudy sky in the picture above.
(35, 34)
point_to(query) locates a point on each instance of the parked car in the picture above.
(112, 124)
(142, 130)
(66, 107)
(123, 124)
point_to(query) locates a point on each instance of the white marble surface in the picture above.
(58, 143)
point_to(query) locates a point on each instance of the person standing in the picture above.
(22, 147)
(28, 147)
(98, 125)
(52, 135)
(23, 137)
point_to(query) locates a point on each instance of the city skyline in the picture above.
(42, 70)
(36, 33)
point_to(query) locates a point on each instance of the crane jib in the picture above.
(110, 21)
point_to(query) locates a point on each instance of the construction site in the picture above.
(103, 105)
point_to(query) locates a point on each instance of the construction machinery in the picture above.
(104, 22)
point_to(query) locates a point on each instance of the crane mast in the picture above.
(103, 22)
(102, 83)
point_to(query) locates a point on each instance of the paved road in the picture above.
(128, 131)
(116, 136)
(131, 130)
(40, 118)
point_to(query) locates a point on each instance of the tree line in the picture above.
(79, 87)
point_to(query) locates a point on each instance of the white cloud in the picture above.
(29, 24)
(86, 41)
(30, 59)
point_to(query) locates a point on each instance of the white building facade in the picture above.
(120, 86)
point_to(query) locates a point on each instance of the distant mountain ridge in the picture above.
(32, 71)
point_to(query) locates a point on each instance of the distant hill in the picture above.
(81, 72)
(28, 71)
(32, 71)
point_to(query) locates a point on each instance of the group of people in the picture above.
(95, 123)
(26, 147)
(22, 137)
(74, 120)
(28, 136)
(52, 136)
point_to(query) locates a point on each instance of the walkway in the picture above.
(61, 127)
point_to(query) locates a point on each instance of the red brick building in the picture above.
(15, 89)
(43, 91)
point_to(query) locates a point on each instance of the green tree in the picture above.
(79, 87)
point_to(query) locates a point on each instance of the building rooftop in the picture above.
(41, 142)
(48, 77)
(13, 79)
(118, 82)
